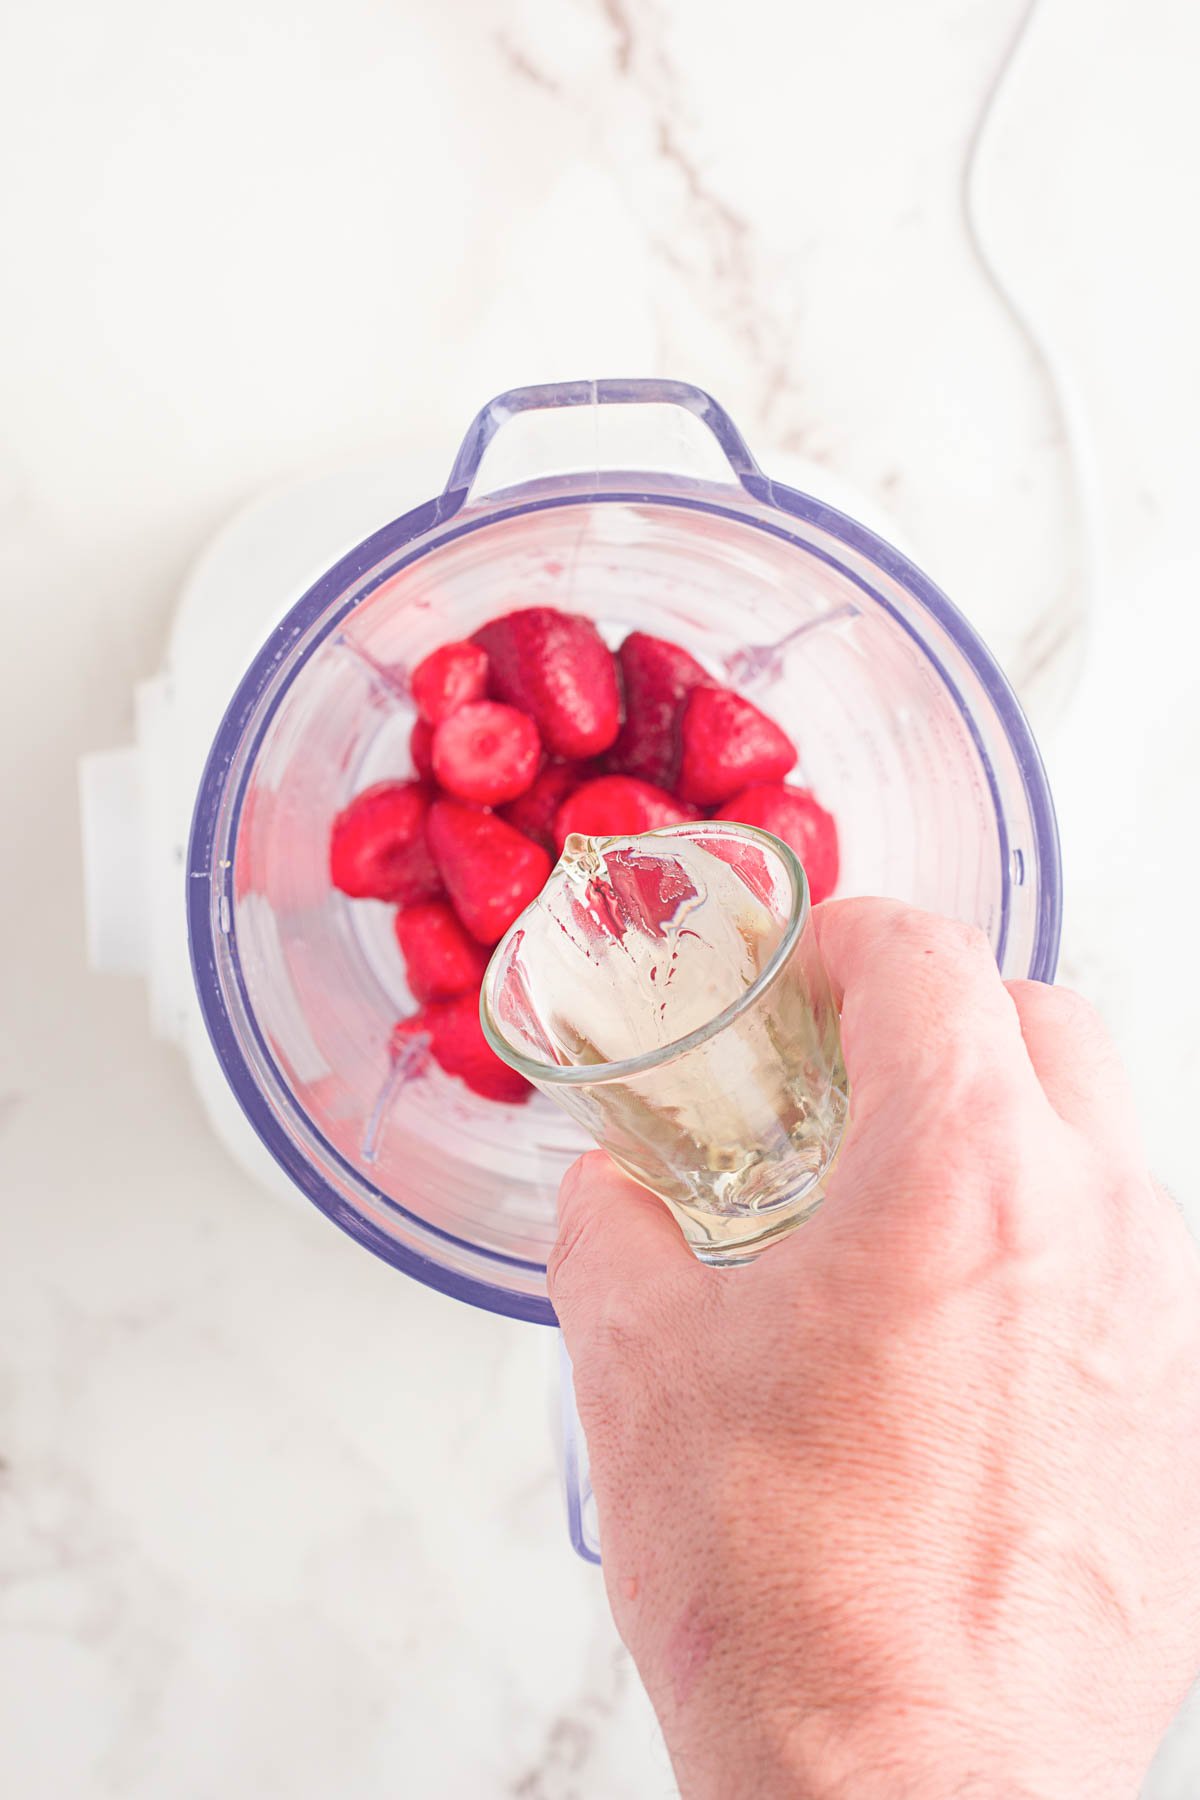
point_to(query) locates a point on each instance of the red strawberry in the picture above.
(439, 958)
(456, 1041)
(618, 806)
(556, 667)
(420, 748)
(534, 812)
(793, 815)
(448, 678)
(378, 848)
(486, 752)
(759, 876)
(491, 871)
(658, 676)
(728, 744)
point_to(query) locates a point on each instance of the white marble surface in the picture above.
(269, 1516)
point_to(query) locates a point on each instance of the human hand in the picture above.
(910, 1507)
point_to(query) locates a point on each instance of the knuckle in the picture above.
(1061, 1008)
(936, 935)
(623, 1325)
(1052, 998)
(570, 1251)
(965, 940)
(576, 1227)
(1077, 1011)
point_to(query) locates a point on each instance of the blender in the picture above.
(638, 504)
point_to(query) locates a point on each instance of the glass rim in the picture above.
(595, 1074)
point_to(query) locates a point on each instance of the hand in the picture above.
(910, 1507)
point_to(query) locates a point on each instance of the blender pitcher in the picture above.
(638, 504)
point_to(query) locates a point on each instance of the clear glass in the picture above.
(906, 732)
(667, 991)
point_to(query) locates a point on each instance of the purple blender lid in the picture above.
(211, 917)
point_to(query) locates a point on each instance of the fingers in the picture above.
(1076, 1062)
(921, 997)
(615, 1238)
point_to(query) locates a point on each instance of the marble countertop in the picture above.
(242, 1552)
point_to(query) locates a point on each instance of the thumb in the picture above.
(615, 1238)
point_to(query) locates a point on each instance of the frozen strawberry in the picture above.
(378, 849)
(420, 748)
(792, 814)
(440, 959)
(449, 677)
(759, 874)
(486, 752)
(556, 667)
(461, 1048)
(618, 806)
(535, 811)
(658, 677)
(727, 745)
(491, 871)
(456, 1041)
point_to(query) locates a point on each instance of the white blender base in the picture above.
(137, 801)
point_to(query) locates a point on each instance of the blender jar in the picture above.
(637, 503)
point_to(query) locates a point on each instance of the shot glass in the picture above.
(667, 991)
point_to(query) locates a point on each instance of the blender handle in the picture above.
(557, 397)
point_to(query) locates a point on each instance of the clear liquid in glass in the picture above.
(686, 942)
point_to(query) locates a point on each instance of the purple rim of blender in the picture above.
(210, 916)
